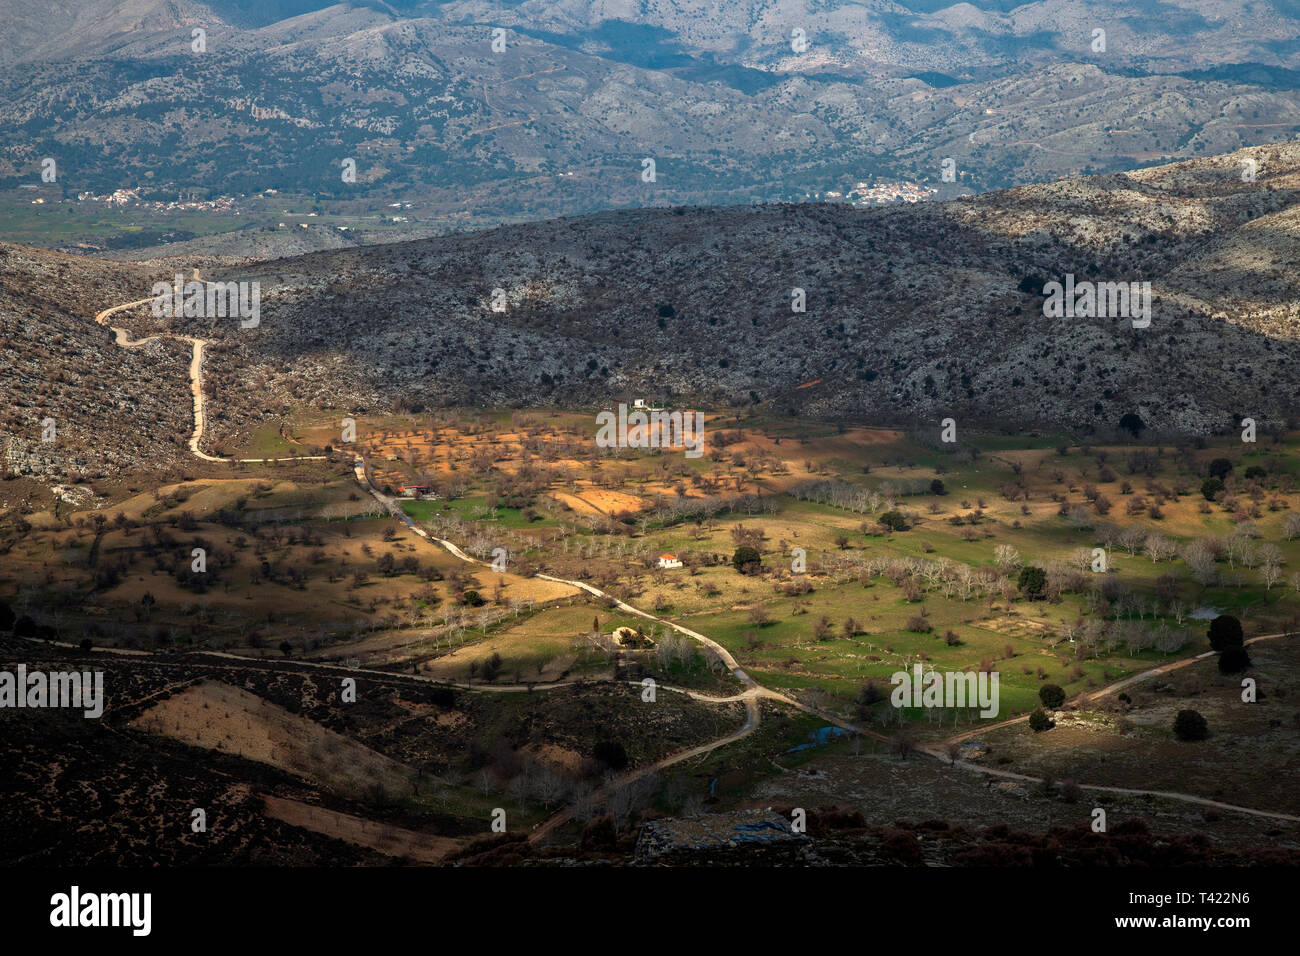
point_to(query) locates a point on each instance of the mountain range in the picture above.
(561, 120)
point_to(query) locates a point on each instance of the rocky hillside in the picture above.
(913, 313)
(114, 410)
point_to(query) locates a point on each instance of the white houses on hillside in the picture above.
(669, 561)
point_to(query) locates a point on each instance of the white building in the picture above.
(669, 561)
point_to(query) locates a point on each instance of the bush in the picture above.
(1032, 582)
(1210, 487)
(919, 625)
(901, 847)
(1032, 284)
(1225, 631)
(1220, 468)
(1039, 721)
(1190, 725)
(1132, 423)
(611, 754)
(894, 520)
(599, 834)
(1052, 696)
(747, 560)
(937, 488)
(869, 694)
(1233, 660)
(443, 697)
(472, 598)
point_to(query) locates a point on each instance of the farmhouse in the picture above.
(413, 491)
(669, 561)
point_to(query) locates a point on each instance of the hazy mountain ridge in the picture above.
(560, 122)
(878, 34)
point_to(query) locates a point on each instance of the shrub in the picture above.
(937, 488)
(1233, 660)
(1039, 721)
(1132, 423)
(894, 520)
(599, 834)
(1225, 631)
(919, 625)
(869, 694)
(612, 754)
(1220, 468)
(901, 846)
(747, 559)
(1052, 696)
(443, 697)
(1210, 487)
(1032, 581)
(1190, 725)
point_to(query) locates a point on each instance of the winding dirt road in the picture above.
(123, 339)
(753, 692)
(936, 747)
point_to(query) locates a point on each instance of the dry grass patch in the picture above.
(228, 719)
(384, 837)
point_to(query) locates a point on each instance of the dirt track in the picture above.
(123, 339)
(753, 689)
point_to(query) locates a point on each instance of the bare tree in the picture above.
(1006, 557)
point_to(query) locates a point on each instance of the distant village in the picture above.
(871, 194)
(861, 194)
(131, 197)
